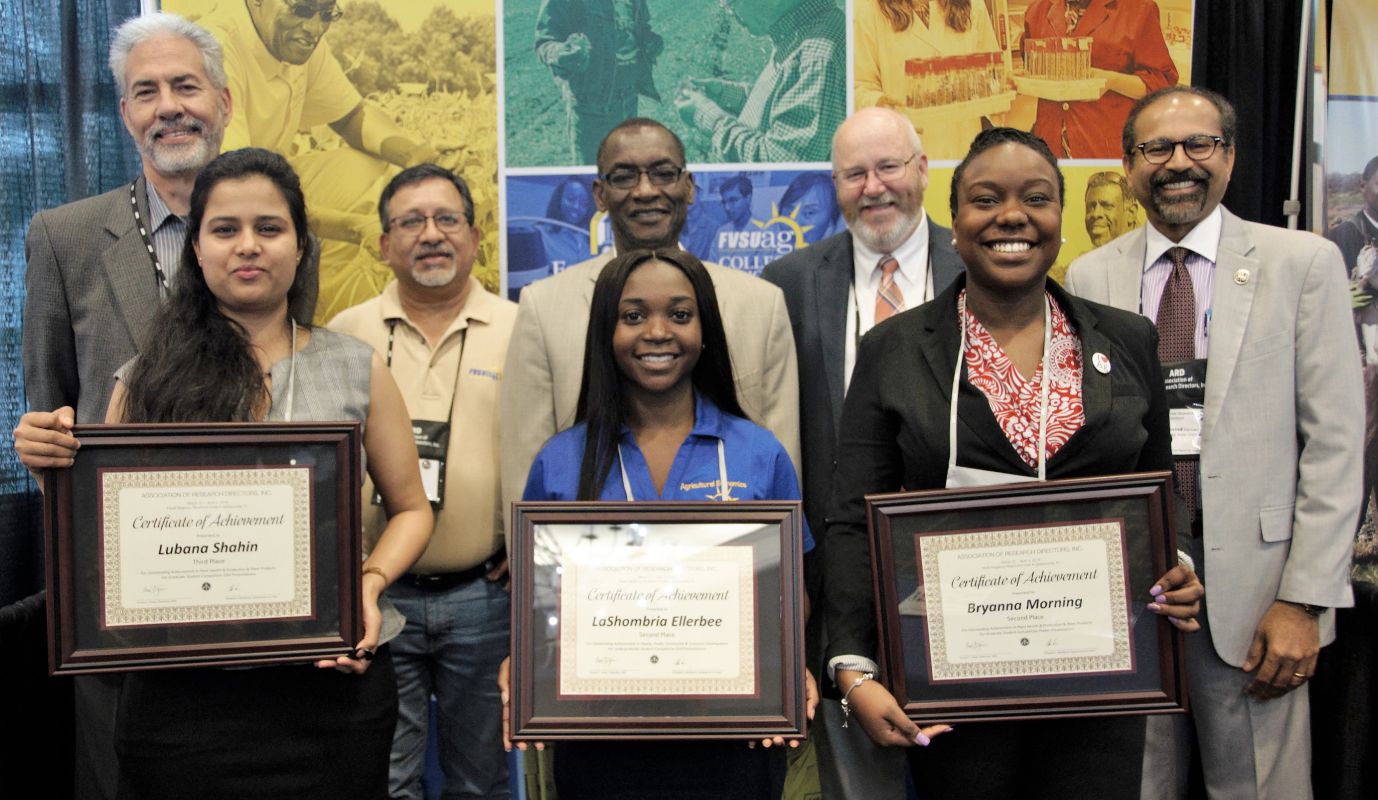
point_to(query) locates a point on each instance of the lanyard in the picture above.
(1043, 391)
(148, 241)
(459, 367)
(722, 472)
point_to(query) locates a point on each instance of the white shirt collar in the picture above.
(1203, 240)
(1369, 217)
(911, 254)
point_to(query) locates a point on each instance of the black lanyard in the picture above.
(148, 240)
(459, 368)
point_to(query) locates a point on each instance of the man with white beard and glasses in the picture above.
(98, 268)
(891, 257)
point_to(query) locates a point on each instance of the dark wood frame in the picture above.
(637, 718)
(69, 503)
(1004, 700)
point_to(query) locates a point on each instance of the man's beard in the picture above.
(884, 241)
(1182, 210)
(189, 156)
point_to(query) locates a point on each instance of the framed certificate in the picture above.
(183, 545)
(1027, 600)
(681, 620)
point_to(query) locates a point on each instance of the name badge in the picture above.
(432, 442)
(1185, 385)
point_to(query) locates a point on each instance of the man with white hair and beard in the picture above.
(444, 337)
(98, 268)
(891, 257)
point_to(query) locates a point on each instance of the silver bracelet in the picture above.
(846, 707)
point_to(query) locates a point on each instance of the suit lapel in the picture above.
(942, 257)
(940, 348)
(1095, 14)
(1095, 386)
(1125, 277)
(129, 268)
(831, 285)
(1231, 304)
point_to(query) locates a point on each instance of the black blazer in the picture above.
(894, 431)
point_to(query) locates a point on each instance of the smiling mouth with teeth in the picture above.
(657, 358)
(1010, 247)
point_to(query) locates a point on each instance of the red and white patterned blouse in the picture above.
(1016, 401)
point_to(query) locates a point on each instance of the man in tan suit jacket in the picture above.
(1279, 441)
(545, 360)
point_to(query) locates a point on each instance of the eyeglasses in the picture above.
(628, 177)
(1198, 148)
(447, 222)
(885, 171)
(307, 10)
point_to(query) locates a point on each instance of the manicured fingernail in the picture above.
(921, 739)
(1160, 598)
(1156, 590)
(1154, 607)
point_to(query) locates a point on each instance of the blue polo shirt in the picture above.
(758, 468)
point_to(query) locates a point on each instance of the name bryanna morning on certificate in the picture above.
(193, 545)
(1026, 602)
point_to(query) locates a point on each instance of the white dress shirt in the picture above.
(913, 278)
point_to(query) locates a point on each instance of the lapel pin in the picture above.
(1101, 362)
(1241, 276)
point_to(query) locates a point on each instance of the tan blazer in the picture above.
(545, 361)
(1284, 420)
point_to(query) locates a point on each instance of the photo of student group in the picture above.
(1032, 456)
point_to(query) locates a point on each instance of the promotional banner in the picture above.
(353, 92)
(742, 219)
(741, 81)
(1351, 182)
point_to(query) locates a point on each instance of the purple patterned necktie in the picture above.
(1177, 342)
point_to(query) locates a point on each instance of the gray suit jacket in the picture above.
(1284, 420)
(545, 361)
(91, 294)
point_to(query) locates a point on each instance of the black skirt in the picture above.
(291, 731)
(668, 771)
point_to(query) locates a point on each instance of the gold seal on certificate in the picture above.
(661, 620)
(194, 545)
(1018, 602)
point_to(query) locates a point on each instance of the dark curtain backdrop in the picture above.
(1247, 50)
(60, 139)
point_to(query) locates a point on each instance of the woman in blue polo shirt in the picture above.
(659, 420)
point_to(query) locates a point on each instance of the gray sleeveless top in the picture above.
(333, 377)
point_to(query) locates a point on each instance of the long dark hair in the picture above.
(195, 364)
(601, 401)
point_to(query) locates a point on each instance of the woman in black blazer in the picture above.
(1007, 215)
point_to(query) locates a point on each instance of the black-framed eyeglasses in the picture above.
(628, 177)
(886, 171)
(307, 10)
(1198, 148)
(446, 222)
